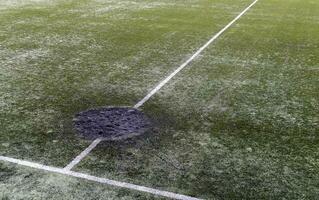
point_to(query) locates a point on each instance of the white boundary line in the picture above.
(168, 78)
(66, 170)
(82, 155)
(98, 179)
(162, 83)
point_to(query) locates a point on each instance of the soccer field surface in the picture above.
(239, 121)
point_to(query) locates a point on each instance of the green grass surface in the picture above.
(241, 122)
(61, 58)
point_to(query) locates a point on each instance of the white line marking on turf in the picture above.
(98, 179)
(168, 78)
(161, 84)
(82, 155)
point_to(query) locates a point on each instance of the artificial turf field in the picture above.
(239, 122)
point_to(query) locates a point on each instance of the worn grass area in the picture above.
(241, 122)
(24, 183)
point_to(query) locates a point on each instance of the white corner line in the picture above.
(98, 179)
(168, 78)
(82, 155)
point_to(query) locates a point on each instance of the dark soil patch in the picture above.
(114, 123)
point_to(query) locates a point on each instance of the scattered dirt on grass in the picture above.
(114, 123)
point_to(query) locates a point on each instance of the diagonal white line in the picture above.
(66, 170)
(98, 179)
(162, 83)
(82, 155)
(168, 78)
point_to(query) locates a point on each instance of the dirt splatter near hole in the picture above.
(113, 123)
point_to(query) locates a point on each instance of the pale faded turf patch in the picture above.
(8, 4)
(12, 63)
(98, 179)
(101, 7)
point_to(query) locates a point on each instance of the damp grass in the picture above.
(240, 122)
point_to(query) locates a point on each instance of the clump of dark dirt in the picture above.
(115, 123)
